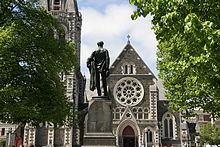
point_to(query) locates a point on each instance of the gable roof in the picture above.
(129, 55)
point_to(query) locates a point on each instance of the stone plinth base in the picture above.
(99, 116)
(99, 124)
(99, 139)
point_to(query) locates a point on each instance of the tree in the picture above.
(33, 52)
(188, 33)
(210, 134)
(2, 142)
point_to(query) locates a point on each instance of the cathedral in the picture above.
(137, 114)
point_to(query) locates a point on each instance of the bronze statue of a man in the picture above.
(98, 64)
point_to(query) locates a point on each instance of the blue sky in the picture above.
(109, 20)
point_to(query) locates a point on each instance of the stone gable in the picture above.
(129, 56)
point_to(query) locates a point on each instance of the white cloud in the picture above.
(100, 3)
(112, 25)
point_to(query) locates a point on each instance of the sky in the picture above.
(110, 21)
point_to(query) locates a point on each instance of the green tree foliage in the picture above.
(210, 134)
(188, 33)
(2, 142)
(33, 51)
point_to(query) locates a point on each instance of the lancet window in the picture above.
(129, 68)
(168, 125)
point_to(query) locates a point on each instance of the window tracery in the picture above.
(128, 91)
(140, 112)
(118, 112)
(168, 125)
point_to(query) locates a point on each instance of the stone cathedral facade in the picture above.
(139, 118)
(133, 93)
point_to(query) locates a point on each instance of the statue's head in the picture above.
(100, 43)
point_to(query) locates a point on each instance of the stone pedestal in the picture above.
(98, 130)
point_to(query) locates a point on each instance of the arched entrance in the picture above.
(128, 136)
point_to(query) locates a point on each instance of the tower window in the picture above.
(56, 5)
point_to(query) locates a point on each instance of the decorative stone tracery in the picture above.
(128, 91)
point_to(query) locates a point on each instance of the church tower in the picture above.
(66, 11)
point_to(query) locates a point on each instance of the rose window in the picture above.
(128, 91)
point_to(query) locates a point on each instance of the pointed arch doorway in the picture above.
(128, 137)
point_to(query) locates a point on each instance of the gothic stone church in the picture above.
(139, 118)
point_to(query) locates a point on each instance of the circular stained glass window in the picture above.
(128, 91)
